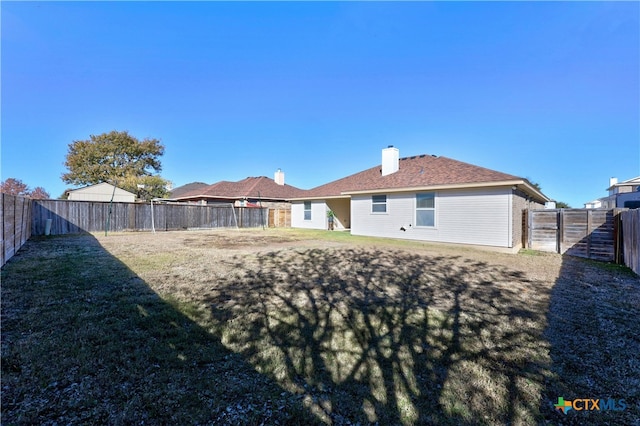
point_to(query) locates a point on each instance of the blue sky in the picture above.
(544, 90)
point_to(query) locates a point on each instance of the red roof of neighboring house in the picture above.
(252, 187)
(416, 171)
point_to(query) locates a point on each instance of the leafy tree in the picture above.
(117, 158)
(39, 193)
(562, 205)
(536, 185)
(147, 187)
(13, 186)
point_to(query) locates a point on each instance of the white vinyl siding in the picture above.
(102, 192)
(481, 216)
(318, 215)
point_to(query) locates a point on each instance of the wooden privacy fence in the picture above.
(589, 233)
(68, 217)
(631, 238)
(16, 224)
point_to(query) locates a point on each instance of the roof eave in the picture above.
(229, 197)
(532, 190)
(628, 182)
(319, 197)
(505, 183)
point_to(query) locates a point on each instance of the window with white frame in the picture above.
(378, 204)
(426, 209)
(307, 210)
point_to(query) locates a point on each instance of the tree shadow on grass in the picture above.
(86, 341)
(389, 337)
(594, 332)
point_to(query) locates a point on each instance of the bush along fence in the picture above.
(68, 217)
(16, 224)
(607, 235)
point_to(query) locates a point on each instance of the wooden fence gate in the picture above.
(279, 218)
(590, 233)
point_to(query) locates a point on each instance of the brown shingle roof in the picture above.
(416, 171)
(251, 187)
(184, 189)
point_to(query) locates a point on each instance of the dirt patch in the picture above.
(235, 241)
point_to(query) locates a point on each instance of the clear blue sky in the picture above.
(544, 90)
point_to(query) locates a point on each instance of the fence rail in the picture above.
(15, 213)
(68, 217)
(631, 239)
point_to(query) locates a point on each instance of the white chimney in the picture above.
(612, 181)
(390, 160)
(278, 177)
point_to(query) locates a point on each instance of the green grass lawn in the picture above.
(296, 327)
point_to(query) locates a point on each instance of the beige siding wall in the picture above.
(101, 192)
(480, 217)
(102, 196)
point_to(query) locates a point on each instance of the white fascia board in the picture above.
(526, 186)
(330, 197)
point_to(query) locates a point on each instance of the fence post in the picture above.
(560, 233)
(529, 224)
(523, 224)
(589, 230)
(3, 234)
(15, 222)
(618, 255)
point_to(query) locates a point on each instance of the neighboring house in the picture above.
(621, 194)
(595, 204)
(101, 192)
(258, 191)
(624, 194)
(423, 197)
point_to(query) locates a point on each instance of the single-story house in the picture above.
(101, 192)
(258, 191)
(423, 197)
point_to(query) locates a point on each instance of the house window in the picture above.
(378, 204)
(425, 209)
(307, 210)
